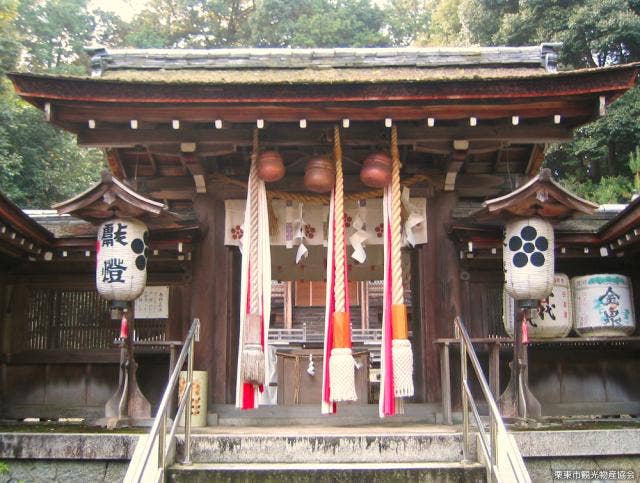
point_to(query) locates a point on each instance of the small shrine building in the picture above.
(177, 127)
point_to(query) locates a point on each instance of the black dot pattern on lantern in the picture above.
(141, 262)
(528, 247)
(528, 233)
(542, 243)
(139, 247)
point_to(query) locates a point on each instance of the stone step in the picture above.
(329, 472)
(309, 415)
(325, 445)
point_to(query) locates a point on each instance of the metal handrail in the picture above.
(501, 454)
(139, 468)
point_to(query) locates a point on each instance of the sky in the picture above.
(126, 9)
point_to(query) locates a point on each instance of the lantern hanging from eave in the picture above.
(121, 260)
(528, 257)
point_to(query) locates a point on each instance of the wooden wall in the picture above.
(73, 383)
(569, 379)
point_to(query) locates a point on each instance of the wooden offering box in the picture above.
(297, 386)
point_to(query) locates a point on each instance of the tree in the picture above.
(318, 23)
(9, 41)
(445, 23)
(408, 21)
(169, 23)
(54, 34)
(40, 165)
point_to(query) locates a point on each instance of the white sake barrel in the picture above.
(603, 305)
(554, 316)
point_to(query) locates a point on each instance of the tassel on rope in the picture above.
(402, 353)
(252, 357)
(341, 362)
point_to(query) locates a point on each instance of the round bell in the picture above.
(270, 166)
(319, 174)
(376, 170)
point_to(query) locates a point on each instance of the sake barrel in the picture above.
(603, 305)
(552, 318)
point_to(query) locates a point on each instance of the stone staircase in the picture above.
(382, 453)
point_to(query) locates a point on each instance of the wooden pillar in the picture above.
(211, 297)
(288, 304)
(439, 275)
(364, 304)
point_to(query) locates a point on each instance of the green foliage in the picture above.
(4, 468)
(318, 23)
(610, 189)
(634, 166)
(9, 43)
(54, 34)
(40, 165)
(408, 21)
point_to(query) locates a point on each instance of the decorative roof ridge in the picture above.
(540, 196)
(540, 56)
(110, 194)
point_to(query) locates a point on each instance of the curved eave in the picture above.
(42, 88)
(12, 215)
(97, 202)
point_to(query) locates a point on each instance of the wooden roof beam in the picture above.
(192, 163)
(535, 159)
(165, 115)
(152, 160)
(456, 162)
(115, 163)
(363, 136)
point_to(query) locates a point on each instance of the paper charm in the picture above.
(413, 220)
(360, 236)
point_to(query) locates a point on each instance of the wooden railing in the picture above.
(501, 455)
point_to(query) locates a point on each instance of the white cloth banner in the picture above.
(366, 224)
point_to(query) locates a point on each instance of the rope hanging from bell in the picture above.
(402, 353)
(252, 358)
(341, 361)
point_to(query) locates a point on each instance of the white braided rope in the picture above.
(339, 287)
(253, 220)
(397, 295)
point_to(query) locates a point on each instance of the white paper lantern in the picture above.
(121, 260)
(603, 305)
(529, 258)
(553, 317)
